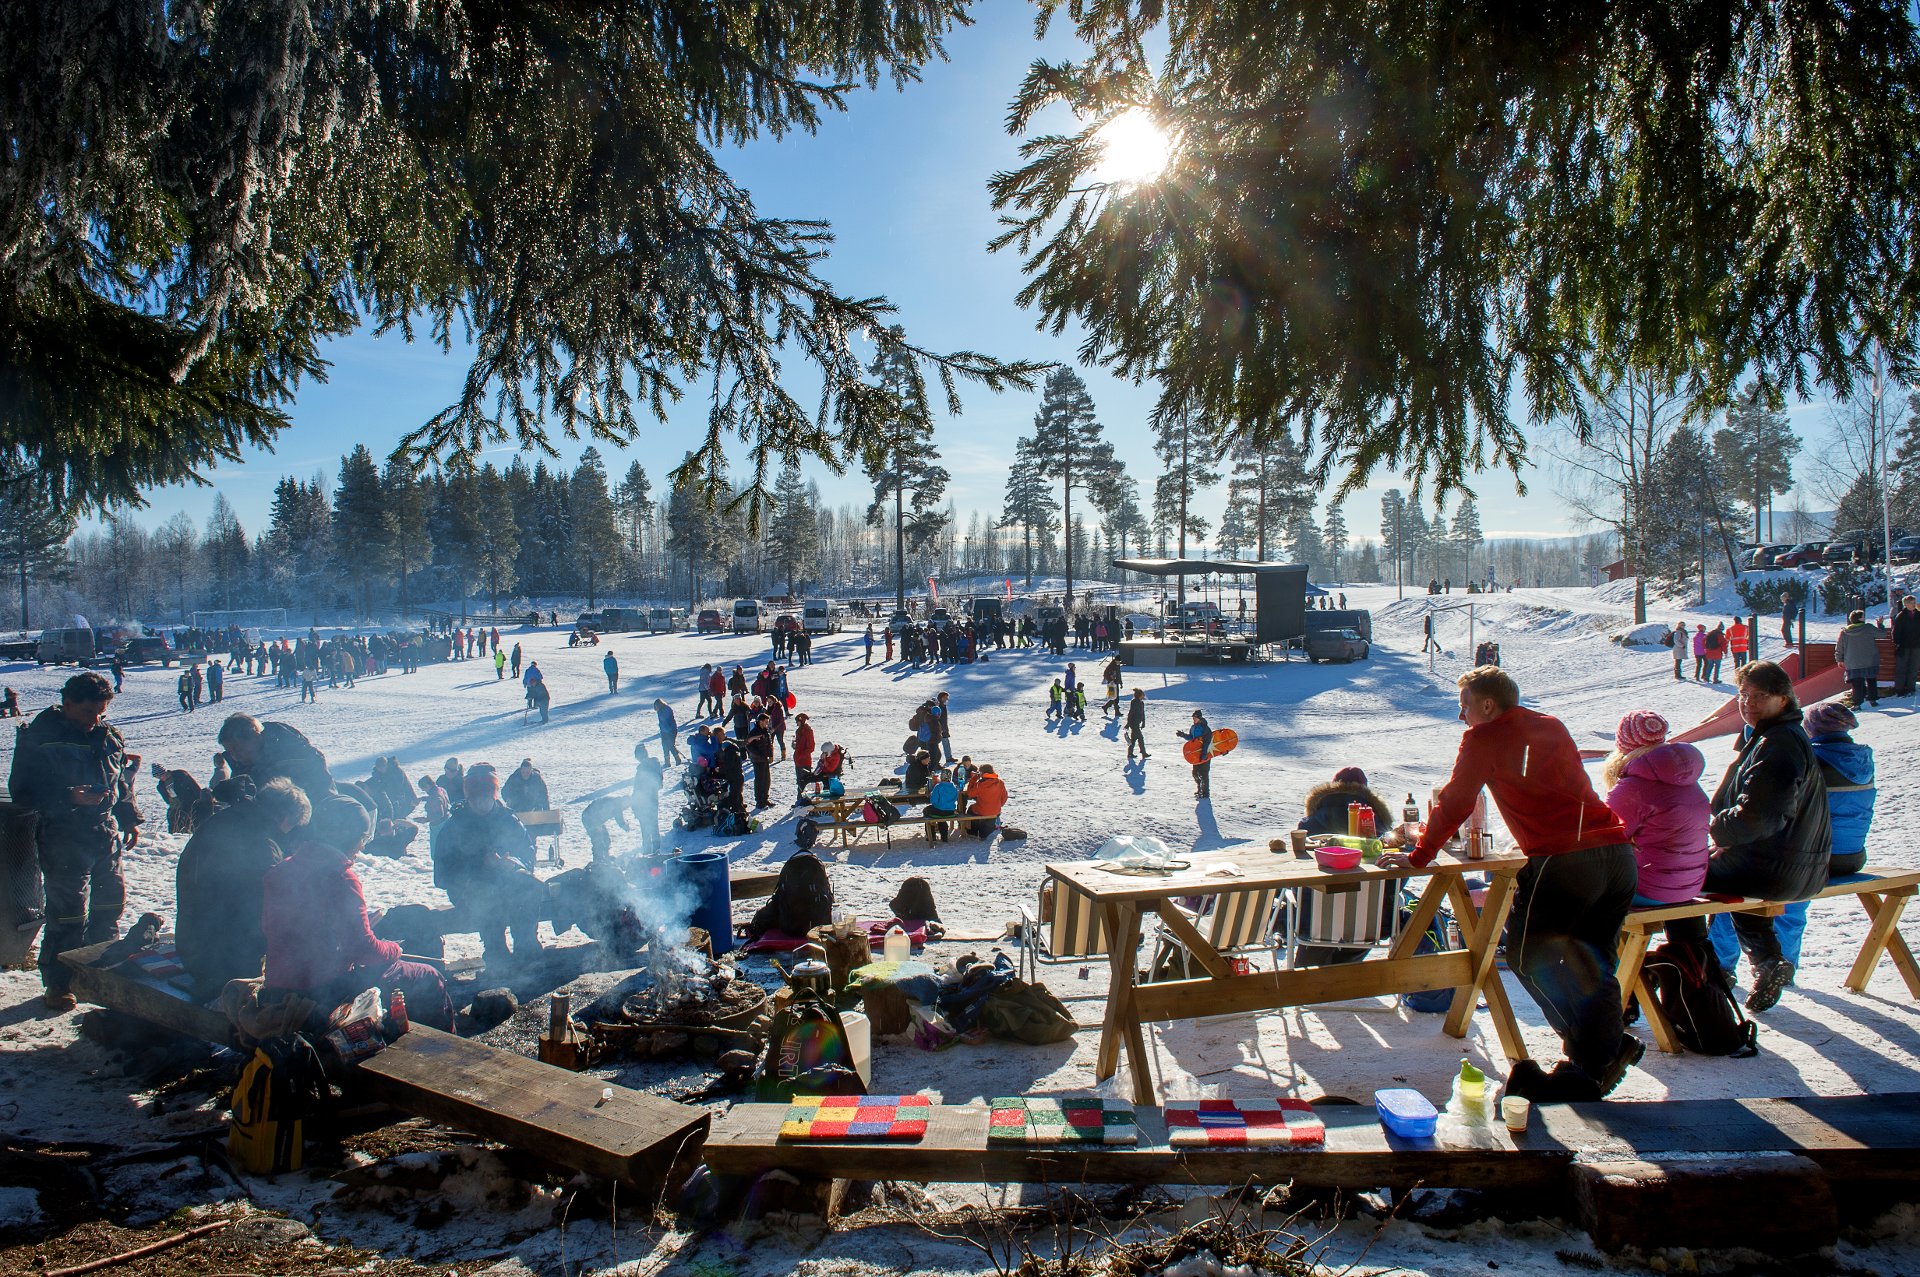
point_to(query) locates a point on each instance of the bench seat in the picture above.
(1883, 893)
(848, 830)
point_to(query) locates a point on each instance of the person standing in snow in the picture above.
(514, 664)
(1857, 651)
(1137, 724)
(943, 726)
(1111, 677)
(802, 755)
(1906, 648)
(499, 665)
(669, 732)
(216, 683)
(869, 642)
(645, 800)
(612, 668)
(1202, 770)
(1679, 640)
(1430, 644)
(1737, 642)
(531, 678)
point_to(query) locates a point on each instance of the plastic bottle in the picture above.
(1473, 1083)
(1353, 819)
(896, 947)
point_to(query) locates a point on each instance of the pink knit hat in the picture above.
(1639, 730)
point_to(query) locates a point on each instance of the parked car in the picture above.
(1806, 554)
(19, 649)
(622, 620)
(665, 618)
(940, 619)
(1906, 550)
(1336, 645)
(147, 648)
(1841, 552)
(590, 621)
(711, 622)
(899, 622)
(1767, 556)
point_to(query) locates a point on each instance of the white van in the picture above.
(817, 616)
(749, 616)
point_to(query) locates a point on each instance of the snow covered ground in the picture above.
(1392, 715)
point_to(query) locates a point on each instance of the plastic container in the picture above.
(897, 947)
(705, 872)
(1336, 859)
(1406, 1113)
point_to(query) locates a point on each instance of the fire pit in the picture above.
(684, 1003)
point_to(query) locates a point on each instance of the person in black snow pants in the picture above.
(1202, 769)
(669, 733)
(1137, 724)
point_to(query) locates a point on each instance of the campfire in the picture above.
(682, 1002)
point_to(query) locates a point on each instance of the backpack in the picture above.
(281, 1086)
(806, 833)
(802, 899)
(807, 1053)
(877, 809)
(1026, 1013)
(1666, 640)
(1685, 979)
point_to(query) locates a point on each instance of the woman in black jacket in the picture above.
(1771, 829)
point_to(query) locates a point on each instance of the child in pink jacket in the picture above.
(1656, 793)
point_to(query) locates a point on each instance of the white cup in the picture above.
(1516, 1110)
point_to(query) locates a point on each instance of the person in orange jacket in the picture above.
(986, 798)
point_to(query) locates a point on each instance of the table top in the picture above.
(1257, 868)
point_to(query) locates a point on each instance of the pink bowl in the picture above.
(1336, 859)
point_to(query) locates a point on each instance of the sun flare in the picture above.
(1133, 149)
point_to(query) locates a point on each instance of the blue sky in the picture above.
(902, 178)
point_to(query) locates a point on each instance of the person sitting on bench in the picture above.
(320, 943)
(1571, 898)
(525, 789)
(986, 797)
(219, 882)
(1326, 813)
(482, 864)
(942, 800)
(1847, 768)
(1770, 825)
(1653, 786)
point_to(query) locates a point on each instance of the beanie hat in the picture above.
(1641, 729)
(1350, 776)
(1830, 718)
(340, 823)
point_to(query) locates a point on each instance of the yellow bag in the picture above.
(277, 1089)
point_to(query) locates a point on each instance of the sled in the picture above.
(1223, 742)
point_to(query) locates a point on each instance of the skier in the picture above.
(1201, 732)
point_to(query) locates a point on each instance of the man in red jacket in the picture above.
(1571, 897)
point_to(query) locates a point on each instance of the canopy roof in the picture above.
(1200, 567)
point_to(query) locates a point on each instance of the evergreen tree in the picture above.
(200, 195)
(177, 543)
(1335, 536)
(1366, 570)
(362, 538)
(1273, 480)
(1393, 537)
(1466, 531)
(1067, 446)
(407, 526)
(1189, 449)
(1126, 523)
(454, 517)
(1759, 446)
(1236, 521)
(33, 537)
(1029, 504)
(226, 550)
(299, 540)
(902, 462)
(633, 501)
(1396, 221)
(698, 530)
(1304, 544)
(794, 536)
(594, 537)
(494, 544)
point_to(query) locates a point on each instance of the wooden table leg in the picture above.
(1122, 1025)
(1633, 950)
(1482, 939)
(1883, 913)
(1423, 912)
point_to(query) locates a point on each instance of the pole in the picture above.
(1886, 476)
(1399, 552)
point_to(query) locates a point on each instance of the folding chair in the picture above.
(1074, 932)
(1233, 922)
(1343, 922)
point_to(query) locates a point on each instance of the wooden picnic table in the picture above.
(1124, 898)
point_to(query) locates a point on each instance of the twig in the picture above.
(141, 1251)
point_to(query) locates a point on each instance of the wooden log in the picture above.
(636, 1138)
(1776, 1203)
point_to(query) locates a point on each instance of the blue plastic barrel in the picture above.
(705, 872)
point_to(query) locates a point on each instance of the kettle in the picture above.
(811, 974)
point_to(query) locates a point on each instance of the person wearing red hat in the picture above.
(1573, 894)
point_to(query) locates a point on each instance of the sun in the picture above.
(1133, 149)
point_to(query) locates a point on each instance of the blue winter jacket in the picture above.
(1848, 768)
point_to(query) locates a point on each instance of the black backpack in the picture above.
(802, 899)
(1686, 982)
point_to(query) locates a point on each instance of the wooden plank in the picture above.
(1358, 1154)
(552, 1113)
(1257, 871)
(1883, 914)
(130, 990)
(1174, 919)
(1267, 990)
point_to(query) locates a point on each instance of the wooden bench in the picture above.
(1883, 893)
(848, 831)
(552, 1113)
(1856, 1138)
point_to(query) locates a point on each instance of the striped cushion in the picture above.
(1218, 1122)
(1037, 1120)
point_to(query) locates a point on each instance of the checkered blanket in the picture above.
(1216, 1122)
(856, 1117)
(1020, 1120)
